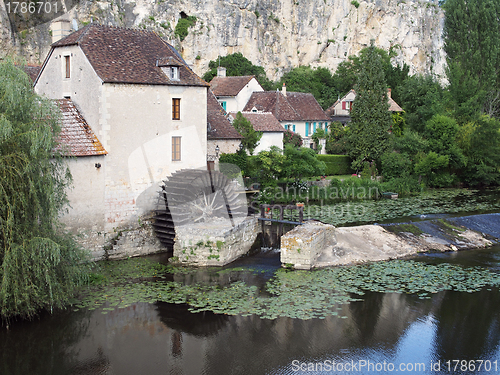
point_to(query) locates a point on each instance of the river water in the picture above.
(383, 332)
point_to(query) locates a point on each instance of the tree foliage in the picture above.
(421, 97)
(39, 266)
(318, 82)
(472, 45)
(238, 65)
(251, 137)
(294, 139)
(346, 75)
(370, 116)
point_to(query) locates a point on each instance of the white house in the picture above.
(147, 109)
(341, 109)
(265, 122)
(222, 137)
(233, 92)
(296, 111)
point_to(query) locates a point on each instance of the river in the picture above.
(384, 331)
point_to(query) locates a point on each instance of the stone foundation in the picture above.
(302, 246)
(214, 243)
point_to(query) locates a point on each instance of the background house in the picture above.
(265, 122)
(341, 110)
(148, 110)
(297, 111)
(222, 137)
(233, 92)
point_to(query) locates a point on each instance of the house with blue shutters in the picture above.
(232, 93)
(296, 111)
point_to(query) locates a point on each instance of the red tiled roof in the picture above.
(76, 137)
(306, 106)
(32, 71)
(274, 102)
(262, 122)
(331, 110)
(120, 55)
(295, 106)
(229, 86)
(218, 125)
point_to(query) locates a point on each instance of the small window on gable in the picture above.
(67, 67)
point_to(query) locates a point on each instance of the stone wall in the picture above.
(302, 246)
(214, 243)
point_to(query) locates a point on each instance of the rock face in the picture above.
(278, 35)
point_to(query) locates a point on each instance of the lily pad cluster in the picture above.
(293, 294)
(433, 202)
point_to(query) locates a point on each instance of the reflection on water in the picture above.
(167, 339)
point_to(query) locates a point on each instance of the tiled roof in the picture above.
(76, 137)
(262, 122)
(274, 102)
(331, 110)
(229, 86)
(295, 106)
(120, 55)
(218, 125)
(306, 106)
(32, 71)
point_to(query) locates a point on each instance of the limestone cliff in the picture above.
(276, 34)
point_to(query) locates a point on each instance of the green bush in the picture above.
(336, 164)
(227, 160)
(181, 29)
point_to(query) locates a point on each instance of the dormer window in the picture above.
(174, 73)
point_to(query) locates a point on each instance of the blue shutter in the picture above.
(314, 127)
(294, 128)
(224, 105)
(307, 129)
(326, 127)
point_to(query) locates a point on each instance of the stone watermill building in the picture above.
(140, 114)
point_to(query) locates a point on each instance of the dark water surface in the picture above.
(382, 331)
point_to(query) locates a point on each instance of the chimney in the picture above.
(221, 71)
(60, 29)
(389, 93)
(283, 90)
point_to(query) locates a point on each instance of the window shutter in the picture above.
(326, 127)
(294, 128)
(307, 129)
(343, 105)
(314, 127)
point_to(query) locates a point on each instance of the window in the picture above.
(223, 104)
(174, 73)
(176, 109)
(347, 105)
(67, 66)
(176, 148)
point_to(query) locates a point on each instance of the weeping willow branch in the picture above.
(40, 265)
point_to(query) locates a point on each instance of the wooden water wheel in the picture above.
(193, 196)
